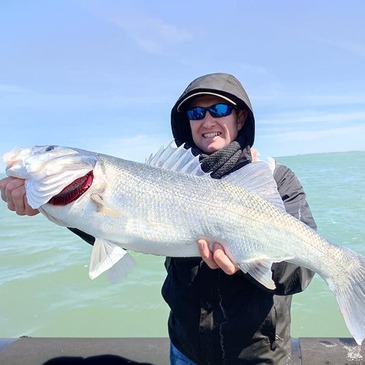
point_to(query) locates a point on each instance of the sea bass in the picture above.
(165, 205)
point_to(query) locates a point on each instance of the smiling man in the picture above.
(214, 122)
(220, 315)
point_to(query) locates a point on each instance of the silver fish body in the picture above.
(163, 208)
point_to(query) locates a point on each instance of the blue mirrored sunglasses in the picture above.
(216, 111)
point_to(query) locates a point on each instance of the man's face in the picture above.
(211, 134)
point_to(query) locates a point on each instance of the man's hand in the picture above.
(13, 193)
(217, 258)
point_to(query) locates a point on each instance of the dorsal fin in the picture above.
(177, 159)
(256, 177)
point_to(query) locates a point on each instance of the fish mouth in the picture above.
(73, 191)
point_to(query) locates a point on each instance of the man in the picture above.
(218, 314)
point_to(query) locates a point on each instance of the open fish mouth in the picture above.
(73, 191)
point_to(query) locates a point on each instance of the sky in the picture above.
(103, 75)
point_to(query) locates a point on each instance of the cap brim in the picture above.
(204, 93)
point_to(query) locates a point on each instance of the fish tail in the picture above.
(350, 295)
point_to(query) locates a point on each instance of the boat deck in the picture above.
(155, 351)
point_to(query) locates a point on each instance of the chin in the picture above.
(211, 148)
(215, 146)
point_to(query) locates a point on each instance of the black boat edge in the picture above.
(155, 351)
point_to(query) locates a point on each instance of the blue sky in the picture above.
(103, 75)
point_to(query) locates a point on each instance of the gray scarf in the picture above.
(226, 160)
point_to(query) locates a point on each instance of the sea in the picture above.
(45, 290)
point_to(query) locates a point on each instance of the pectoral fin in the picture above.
(107, 256)
(260, 270)
(121, 269)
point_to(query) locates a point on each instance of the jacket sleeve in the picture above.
(289, 278)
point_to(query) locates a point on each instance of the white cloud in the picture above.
(134, 148)
(286, 143)
(313, 116)
(12, 96)
(151, 34)
(332, 99)
(355, 48)
(331, 133)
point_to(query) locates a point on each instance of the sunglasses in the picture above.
(216, 111)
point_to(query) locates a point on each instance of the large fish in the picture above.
(164, 206)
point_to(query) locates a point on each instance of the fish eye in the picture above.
(49, 148)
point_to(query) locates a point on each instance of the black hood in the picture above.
(219, 84)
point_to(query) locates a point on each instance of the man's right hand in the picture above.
(13, 193)
(217, 258)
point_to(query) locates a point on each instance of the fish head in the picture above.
(49, 170)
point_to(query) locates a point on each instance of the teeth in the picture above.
(211, 135)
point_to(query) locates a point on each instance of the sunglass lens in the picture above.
(220, 110)
(196, 113)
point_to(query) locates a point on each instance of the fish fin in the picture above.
(105, 255)
(121, 269)
(257, 177)
(260, 270)
(177, 159)
(350, 294)
(103, 208)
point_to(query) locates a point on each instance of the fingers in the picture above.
(217, 258)
(14, 194)
(223, 261)
(2, 188)
(207, 254)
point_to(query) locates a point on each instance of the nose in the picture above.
(208, 120)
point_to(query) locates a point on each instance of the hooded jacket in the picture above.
(231, 319)
(223, 85)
